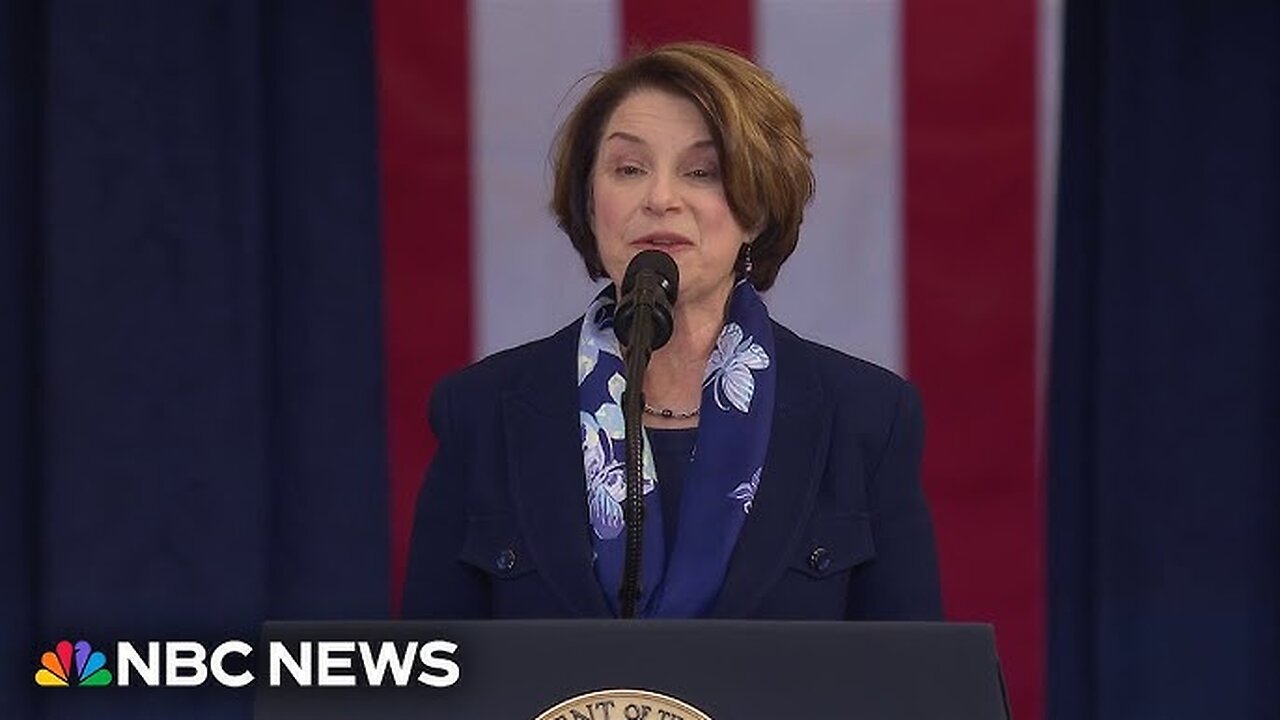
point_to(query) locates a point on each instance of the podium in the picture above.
(726, 669)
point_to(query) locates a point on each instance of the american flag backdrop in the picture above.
(932, 128)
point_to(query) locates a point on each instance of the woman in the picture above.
(781, 477)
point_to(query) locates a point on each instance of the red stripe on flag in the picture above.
(970, 220)
(423, 97)
(646, 23)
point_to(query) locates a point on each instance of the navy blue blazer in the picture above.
(839, 528)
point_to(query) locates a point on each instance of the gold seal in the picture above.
(623, 705)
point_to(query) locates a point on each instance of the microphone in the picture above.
(650, 285)
(643, 323)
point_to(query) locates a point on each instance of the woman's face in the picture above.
(656, 185)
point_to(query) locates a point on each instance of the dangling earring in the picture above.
(746, 260)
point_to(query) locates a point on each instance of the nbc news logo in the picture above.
(67, 665)
(323, 663)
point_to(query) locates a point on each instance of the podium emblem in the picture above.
(623, 705)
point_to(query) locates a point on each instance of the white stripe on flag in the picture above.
(526, 58)
(840, 63)
(1050, 101)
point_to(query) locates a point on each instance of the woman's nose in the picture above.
(662, 196)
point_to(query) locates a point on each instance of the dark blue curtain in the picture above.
(1164, 557)
(192, 435)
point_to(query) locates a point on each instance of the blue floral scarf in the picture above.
(720, 484)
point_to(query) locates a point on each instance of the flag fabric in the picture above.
(192, 412)
(923, 251)
(1164, 542)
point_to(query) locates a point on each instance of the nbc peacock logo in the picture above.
(70, 665)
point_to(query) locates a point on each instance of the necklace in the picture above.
(669, 414)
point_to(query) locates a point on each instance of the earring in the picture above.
(746, 260)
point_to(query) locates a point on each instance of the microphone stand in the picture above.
(638, 351)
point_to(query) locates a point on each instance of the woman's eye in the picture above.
(628, 170)
(703, 173)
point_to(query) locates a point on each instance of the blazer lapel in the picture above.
(788, 485)
(540, 416)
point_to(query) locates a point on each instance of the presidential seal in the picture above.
(623, 705)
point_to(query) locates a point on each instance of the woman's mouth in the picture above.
(667, 242)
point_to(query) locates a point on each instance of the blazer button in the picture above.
(506, 560)
(820, 559)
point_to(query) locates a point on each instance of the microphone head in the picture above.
(657, 262)
(650, 270)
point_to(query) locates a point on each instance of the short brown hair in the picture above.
(756, 128)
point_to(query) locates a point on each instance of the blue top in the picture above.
(840, 528)
(672, 452)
